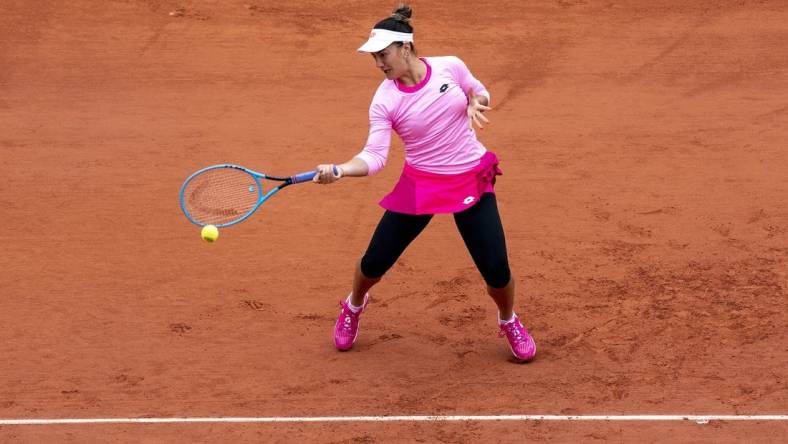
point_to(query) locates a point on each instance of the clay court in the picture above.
(644, 197)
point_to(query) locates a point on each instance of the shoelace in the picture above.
(512, 328)
(347, 323)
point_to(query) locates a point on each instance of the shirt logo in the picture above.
(372, 34)
(468, 200)
(444, 87)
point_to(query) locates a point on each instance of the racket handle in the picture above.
(305, 177)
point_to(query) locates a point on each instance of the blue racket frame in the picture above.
(257, 176)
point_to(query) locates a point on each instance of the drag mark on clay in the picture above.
(385, 338)
(127, 380)
(179, 328)
(635, 230)
(467, 316)
(187, 13)
(256, 305)
(312, 317)
(666, 210)
(677, 43)
(774, 112)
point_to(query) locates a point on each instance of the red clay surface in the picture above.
(645, 200)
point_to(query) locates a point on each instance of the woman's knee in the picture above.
(497, 275)
(373, 267)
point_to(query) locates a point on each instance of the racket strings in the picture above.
(220, 196)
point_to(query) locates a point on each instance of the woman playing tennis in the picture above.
(431, 103)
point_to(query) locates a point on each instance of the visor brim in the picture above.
(374, 45)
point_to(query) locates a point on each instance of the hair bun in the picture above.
(402, 13)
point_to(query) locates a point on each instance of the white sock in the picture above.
(502, 322)
(352, 307)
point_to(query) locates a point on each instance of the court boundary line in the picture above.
(700, 419)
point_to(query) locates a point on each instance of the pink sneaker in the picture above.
(520, 342)
(346, 328)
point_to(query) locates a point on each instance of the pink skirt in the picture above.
(419, 192)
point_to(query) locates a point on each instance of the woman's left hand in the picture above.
(476, 109)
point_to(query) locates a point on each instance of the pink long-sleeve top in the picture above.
(431, 119)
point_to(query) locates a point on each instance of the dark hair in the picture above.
(398, 21)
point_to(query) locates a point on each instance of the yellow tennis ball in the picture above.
(209, 233)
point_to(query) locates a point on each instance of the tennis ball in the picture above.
(209, 233)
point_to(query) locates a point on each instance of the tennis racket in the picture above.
(223, 195)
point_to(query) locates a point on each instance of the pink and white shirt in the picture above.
(430, 117)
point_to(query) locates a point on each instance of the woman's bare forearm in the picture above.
(354, 167)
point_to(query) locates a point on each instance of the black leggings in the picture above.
(480, 228)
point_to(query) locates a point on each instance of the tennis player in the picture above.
(431, 103)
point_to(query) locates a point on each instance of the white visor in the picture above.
(381, 38)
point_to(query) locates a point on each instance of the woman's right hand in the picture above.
(477, 105)
(325, 174)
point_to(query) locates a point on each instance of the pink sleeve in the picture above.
(376, 151)
(466, 80)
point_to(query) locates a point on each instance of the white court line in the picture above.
(701, 419)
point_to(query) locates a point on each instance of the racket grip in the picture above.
(305, 177)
